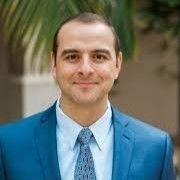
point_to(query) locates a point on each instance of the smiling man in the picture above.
(82, 137)
(85, 66)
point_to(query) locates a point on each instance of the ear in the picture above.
(118, 64)
(53, 65)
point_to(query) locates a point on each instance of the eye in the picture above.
(99, 57)
(72, 57)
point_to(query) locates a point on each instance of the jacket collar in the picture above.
(45, 140)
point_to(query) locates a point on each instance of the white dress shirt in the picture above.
(67, 131)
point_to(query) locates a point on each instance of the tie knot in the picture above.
(84, 136)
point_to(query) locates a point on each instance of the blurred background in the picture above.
(149, 84)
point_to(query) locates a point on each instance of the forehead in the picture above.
(87, 34)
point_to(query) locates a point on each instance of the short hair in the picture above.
(87, 18)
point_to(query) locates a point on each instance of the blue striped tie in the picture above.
(84, 169)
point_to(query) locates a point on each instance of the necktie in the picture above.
(84, 169)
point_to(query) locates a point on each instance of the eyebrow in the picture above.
(105, 51)
(67, 51)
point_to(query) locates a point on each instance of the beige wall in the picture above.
(10, 100)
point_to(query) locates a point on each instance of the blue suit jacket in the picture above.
(28, 149)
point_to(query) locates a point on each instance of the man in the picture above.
(82, 136)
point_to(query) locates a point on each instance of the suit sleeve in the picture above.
(168, 170)
(2, 174)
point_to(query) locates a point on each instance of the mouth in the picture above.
(85, 84)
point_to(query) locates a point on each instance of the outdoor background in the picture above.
(148, 87)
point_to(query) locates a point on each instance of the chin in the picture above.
(85, 101)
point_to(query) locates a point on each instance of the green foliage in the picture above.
(26, 21)
(122, 18)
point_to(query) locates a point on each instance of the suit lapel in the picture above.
(123, 146)
(45, 139)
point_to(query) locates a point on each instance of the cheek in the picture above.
(115, 72)
(108, 72)
(65, 73)
(106, 75)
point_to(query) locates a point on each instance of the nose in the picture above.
(85, 67)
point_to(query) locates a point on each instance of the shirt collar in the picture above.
(69, 129)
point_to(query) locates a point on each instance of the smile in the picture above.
(85, 84)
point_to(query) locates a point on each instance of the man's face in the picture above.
(86, 64)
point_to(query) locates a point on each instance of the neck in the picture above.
(85, 115)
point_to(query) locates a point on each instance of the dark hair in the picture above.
(87, 18)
